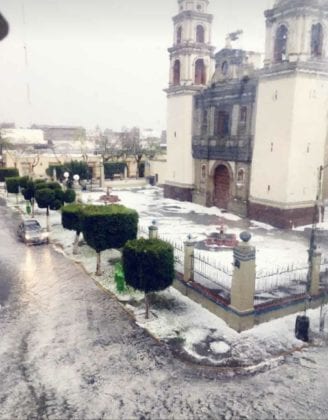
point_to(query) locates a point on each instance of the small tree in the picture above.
(148, 266)
(72, 220)
(45, 198)
(12, 185)
(8, 173)
(69, 196)
(40, 185)
(23, 180)
(54, 186)
(58, 170)
(106, 227)
(80, 168)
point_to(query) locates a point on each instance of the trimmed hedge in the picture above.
(8, 173)
(74, 167)
(29, 191)
(54, 185)
(23, 180)
(44, 197)
(72, 217)
(112, 168)
(106, 227)
(40, 185)
(69, 196)
(148, 264)
(12, 184)
(60, 170)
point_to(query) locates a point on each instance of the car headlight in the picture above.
(27, 236)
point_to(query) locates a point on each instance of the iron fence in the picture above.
(178, 251)
(211, 273)
(290, 279)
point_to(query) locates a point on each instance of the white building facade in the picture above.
(191, 67)
(263, 160)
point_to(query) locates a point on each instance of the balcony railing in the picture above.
(231, 148)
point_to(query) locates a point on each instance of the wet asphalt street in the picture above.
(68, 350)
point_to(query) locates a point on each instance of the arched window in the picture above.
(200, 74)
(179, 35)
(200, 34)
(316, 40)
(176, 72)
(280, 47)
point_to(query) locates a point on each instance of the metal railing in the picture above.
(211, 273)
(289, 279)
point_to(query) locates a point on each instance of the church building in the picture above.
(245, 135)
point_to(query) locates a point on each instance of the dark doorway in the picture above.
(221, 187)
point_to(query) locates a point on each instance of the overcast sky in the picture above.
(101, 62)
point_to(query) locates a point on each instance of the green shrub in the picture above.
(72, 217)
(8, 173)
(39, 181)
(23, 180)
(29, 191)
(106, 227)
(60, 170)
(12, 185)
(69, 196)
(59, 195)
(44, 197)
(56, 204)
(54, 185)
(148, 264)
(80, 168)
(112, 168)
(40, 185)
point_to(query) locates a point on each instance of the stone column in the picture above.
(243, 280)
(315, 274)
(102, 175)
(153, 230)
(188, 271)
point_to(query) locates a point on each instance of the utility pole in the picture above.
(313, 242)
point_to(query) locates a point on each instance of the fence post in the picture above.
(153, 230)
(188, 270)
(244, 275)
(102, 175)
(315, 274)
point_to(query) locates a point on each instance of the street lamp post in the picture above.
(66, 176)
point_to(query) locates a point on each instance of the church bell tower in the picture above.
(291, 118)
(191, 68)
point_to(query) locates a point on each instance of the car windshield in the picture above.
(32, 226)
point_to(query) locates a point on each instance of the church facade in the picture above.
(244, 135)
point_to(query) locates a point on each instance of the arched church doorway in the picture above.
(221, 187)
